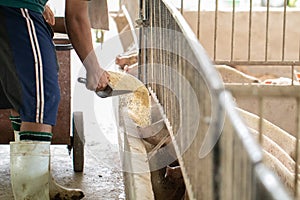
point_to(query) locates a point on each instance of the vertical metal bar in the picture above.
(152, 52)
(299, 49)
(297, 150)
(198, 21)
(140, 55)
(146, 39)
(244, 174)
(152, 18)
(181, 7)
(170, 64)
(161, 53)
(120, 5)
(164, 18)
(235, 173)
(232, 30)
(216, 30)
(147, 9)
(260, 125)
(293, 74)
(154, 40)
(234, 144)
(284, 31)
(250, 31)
(141, 9)
(159, 49)
(178, 68)
(267, 30)
(249, 177)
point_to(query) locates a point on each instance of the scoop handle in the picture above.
(103, 93)
(81, 80)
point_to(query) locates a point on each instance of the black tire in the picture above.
(78, 142)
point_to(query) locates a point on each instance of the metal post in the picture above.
(250, 32)
(198, 23)
(284, 31)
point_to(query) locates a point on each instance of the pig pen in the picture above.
(270, 109)
(255, 48)
(203, 142)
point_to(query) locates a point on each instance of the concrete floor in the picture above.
(97, 181)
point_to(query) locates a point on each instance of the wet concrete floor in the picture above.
(97, 181)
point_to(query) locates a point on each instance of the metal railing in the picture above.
(253, 35)
(218, 156)
(256, 35)
(263, 100)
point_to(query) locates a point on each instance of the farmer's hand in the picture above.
(103, 81)
(49, 15)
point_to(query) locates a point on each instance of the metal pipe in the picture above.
(141, 8)
(297, 149)
(299, 50)
(198, 20)
(140, 36)
(232, 30)
(181, 7)
(216, 30)
(284, 30)
(233, 63)
(250, 31)
(120, 5)
(260, 125)
(267, 30)
(293, 74)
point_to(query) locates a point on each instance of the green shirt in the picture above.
(35, 5)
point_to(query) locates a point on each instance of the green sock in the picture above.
(35, 136)
(15, 122)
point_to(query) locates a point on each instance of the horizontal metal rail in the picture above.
(258, 90)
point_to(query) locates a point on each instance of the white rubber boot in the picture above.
(16, 124)
(59, 192)
(55, 190)
(17, 136)
(29, 169)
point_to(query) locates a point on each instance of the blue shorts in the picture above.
(28, 66)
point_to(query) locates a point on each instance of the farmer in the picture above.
(29, 86)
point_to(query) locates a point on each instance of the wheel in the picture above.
(78, 142)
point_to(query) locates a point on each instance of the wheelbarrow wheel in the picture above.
(78, 142)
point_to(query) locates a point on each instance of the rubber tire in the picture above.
(78, 144)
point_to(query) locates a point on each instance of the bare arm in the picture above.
(79, 31)
(59, 26)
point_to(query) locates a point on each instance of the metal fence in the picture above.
(267, 101)
(262, 35)
(247, 34)
(200, 112)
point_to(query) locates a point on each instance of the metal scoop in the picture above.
(108, 91)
